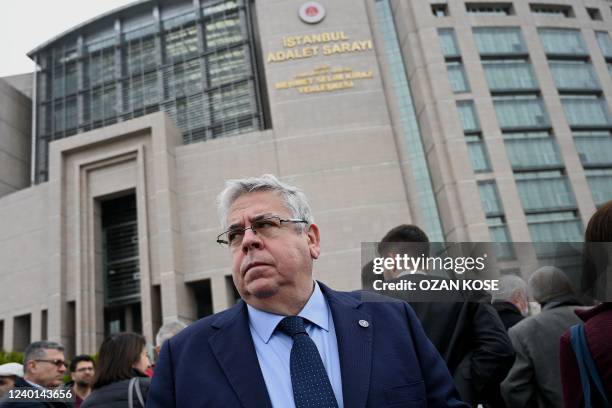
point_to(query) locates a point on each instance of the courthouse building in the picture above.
(477, 120)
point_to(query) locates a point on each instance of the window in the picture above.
(228, 66)
(467, 114)
(555, 227)
(494, 211)
(473, 137)
(544, 191)
(595, 151)
(440, 10)
(594, 13)
(457, 77)
(490, 9)
(181, 43)
(600, 182)
(552, 10)
(532, 150)
(491, 204)
(520, 112)
(562, 41)
(574, 75)
(605, 43)
(448, 42)
(585, 110)
(210, 8)
(454, 66)
(478, 153)
(499, 41)
(594, 148)
(509, 75)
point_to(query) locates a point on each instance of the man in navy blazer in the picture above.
(375, 353)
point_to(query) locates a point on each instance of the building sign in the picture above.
(321, 44)
(312, 12)
(324, 79)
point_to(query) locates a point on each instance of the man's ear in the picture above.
(314, 241)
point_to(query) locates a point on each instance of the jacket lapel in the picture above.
(233, 347)
(354, 345)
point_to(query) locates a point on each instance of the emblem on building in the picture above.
(312, 12)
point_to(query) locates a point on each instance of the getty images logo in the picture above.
(312, 12)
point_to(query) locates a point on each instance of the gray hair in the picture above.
(510, 286)
(37, 349)
(295, 199)
(168, 330)
(549, 282)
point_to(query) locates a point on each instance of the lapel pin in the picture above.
(364, 323)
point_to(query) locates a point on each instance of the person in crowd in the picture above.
(44, 367)
(464, 327)
(82, 371)
(167, 331)
(511, 300)
(120, 381)
(292, 341)
(597, 321)
(9, 373)
(534, 379)
(368, 276)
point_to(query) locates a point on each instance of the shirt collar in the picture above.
(34, 384)
(315, 311)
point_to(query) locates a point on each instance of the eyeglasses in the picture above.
(57, 362)
(266, 227)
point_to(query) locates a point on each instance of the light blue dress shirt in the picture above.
(274, 348)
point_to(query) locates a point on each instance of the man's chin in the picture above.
(262, 288)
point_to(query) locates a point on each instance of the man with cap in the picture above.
(8, 374)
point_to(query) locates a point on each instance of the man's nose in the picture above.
(251, 240)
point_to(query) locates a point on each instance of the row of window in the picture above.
(507, 9)
(543, 186)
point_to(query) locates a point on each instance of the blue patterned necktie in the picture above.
(311, 386)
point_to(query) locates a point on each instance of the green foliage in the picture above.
(11, 357)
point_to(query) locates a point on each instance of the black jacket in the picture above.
(508, 313)
(468, 334)
(115, 395)
(20, 383)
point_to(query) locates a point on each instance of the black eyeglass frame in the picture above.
(254, 227)
(57, 362)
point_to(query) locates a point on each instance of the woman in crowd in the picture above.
(597, 321)
(120, 380)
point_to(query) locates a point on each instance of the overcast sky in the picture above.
(26, 24)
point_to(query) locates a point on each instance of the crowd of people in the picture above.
(294, 342)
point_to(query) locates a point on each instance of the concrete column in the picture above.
(8, 333)
(221, 293)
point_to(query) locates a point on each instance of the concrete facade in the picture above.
(344, 147)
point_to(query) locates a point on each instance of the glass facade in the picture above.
(409, 124)
(562, 41)
(473, 137)
(197, 64)
(497, 41)
(544, 191)
(452, 55)
(494, 212)
(585, 108)
(532, 150)
(509, 75)
(520, 112)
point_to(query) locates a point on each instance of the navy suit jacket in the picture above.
(390, 363)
